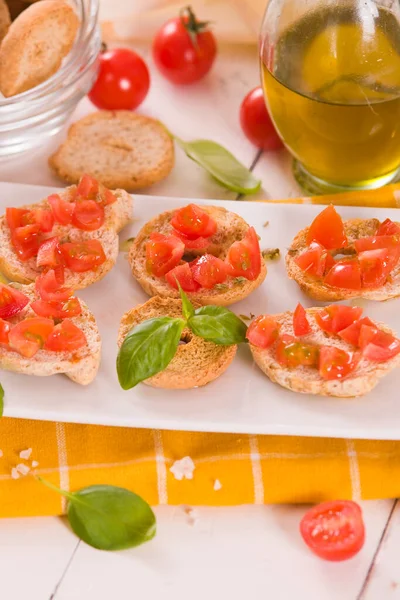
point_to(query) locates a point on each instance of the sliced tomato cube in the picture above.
(335, 363)
(378, 345)
(328, 230)
(198, 244)
(4, 331)
(315, 260)
(29, 336)
(376, 265)
(345, 274)
(88, 187)
(301, 326)
(351, 334)
(193, 222)
(163, 253)
(80, 257)
(62, 210)
(59, 273)
(388, 228)
(49, 253)
(12, 301)
(244, 257)
(26, 241)
(15, 216)
(291, 353)
(263, 332)
(66, 337)
(106, 196)
(49, 290)
(88, 215)
(208, 271)
(57, 310)
(44, 218)
(184, 275)
(336, 317)
(376, 242)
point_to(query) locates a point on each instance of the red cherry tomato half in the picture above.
(335, 363)
(62, 209)
(12, 301)
(263, 332)
(163, 253)
(193, 222)
(388, 228)
(4, 331)
(337, 317)
(65, 337)
(291, 353)
(84, 256)
(123, 81)
(328, 230)
(244, 257)
(198, 244)
(377, 345)
(315, 260)
(15, 216)
(184, 49)
(88, 215)
(208, 271)
(26, 241)
(375, 242)
(345, 274)
(30, 335)
(57, 310)
(49, 290)
(184, 275)
(44, 218)
(376, 265)
(301, 326)
(49, 253)
(256, 122)
(88, 187)
(352, 333)
(334, 530)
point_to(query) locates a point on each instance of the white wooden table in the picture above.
(234, 553)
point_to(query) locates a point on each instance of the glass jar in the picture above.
(331, 76)
(27, 119)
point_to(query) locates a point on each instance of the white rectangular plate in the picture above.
(243, 400)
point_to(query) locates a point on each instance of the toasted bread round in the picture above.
(196, 362)
(307, 380)
(120, 148)
(5, 19)
(35, 45)
(231, 228)
(316, 289)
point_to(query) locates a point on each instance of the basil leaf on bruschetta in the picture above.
(187, 306)
(219, 325)
(148, 349)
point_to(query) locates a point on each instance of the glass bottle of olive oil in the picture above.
(332, 83)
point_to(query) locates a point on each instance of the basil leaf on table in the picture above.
(1, 400)
(187, 306)
(222, 165)
(148, 349)
(219, 325)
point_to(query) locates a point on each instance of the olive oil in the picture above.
(334, 94)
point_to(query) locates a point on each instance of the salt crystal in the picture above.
(14, 473)
(183, 468)
(35, 464)
(23, 469)
(217, 485)
(25, 454)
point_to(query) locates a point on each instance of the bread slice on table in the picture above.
(117, 216)
(196, 362)
(80, 365)
(35, 45)
(307, 380)
(5, 19)
(316, 289)
(231, 228)
(119, 148)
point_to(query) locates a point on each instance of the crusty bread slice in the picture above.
(35, 45)
(307, 380)
(316, 289)
(120, 148)
(5, 19)
(231, 228)
(81, 365)
(117, 215)
(196, 362)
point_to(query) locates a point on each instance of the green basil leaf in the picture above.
(187, 306)
(222, 165)
(148, 349)
(219, 325)
(1, 400)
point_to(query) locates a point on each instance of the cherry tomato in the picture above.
(376, 265)
(337, 317)
(12, 301)
(377, 345)
(334, 530)
(83, 256)
(65, 337)
(352, 333)
(193, 222)
(30, 335)
(184, 49)
(244, 257)
(26, 241)
(375, 242)
(184, 275)
(123, 81)
(57, 310)
(49, 290)
(256, 122)
(44, 218)
(163, 253)
(208, 270)
(301, 326)
(198, 244)
(62, 209)
(328, 230)
(345, 274)
(14, 217)
(291, 353)
(263, 332)
(49, 253)
(88, 215)
(335, 363)
(315, 260)
(4, 331)
(90, 189)
(388, 228)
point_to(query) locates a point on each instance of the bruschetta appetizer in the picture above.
(336, 260)
(332, 351)
(75, 233)
(212, 252)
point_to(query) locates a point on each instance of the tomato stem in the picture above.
(191, 24)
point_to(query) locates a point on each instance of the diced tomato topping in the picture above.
(375, 242)
(335, 363)
(49, 290)
(376, 265)
(377, 345)
(291, 353)
(59, 274)
(88, 215)
(193, 222)
(49, 253)
(106, 195)
(163, 253)
(315, 260)
(80, 257)
(62, 209)
(26, 241)
(334, 530)
(244, 257)
(44, 218)
(336, 317)
(352, 333)
(30, 335)
(88, 187)
(198, 244)
(328, 230)
(263, 332)
(184, 275)
(14, 217)
(388, 228)
(345, 274)
(301, 326)
(4, 331)
(57, 310)
(66, 337)
(208, 270)
(12, 301)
